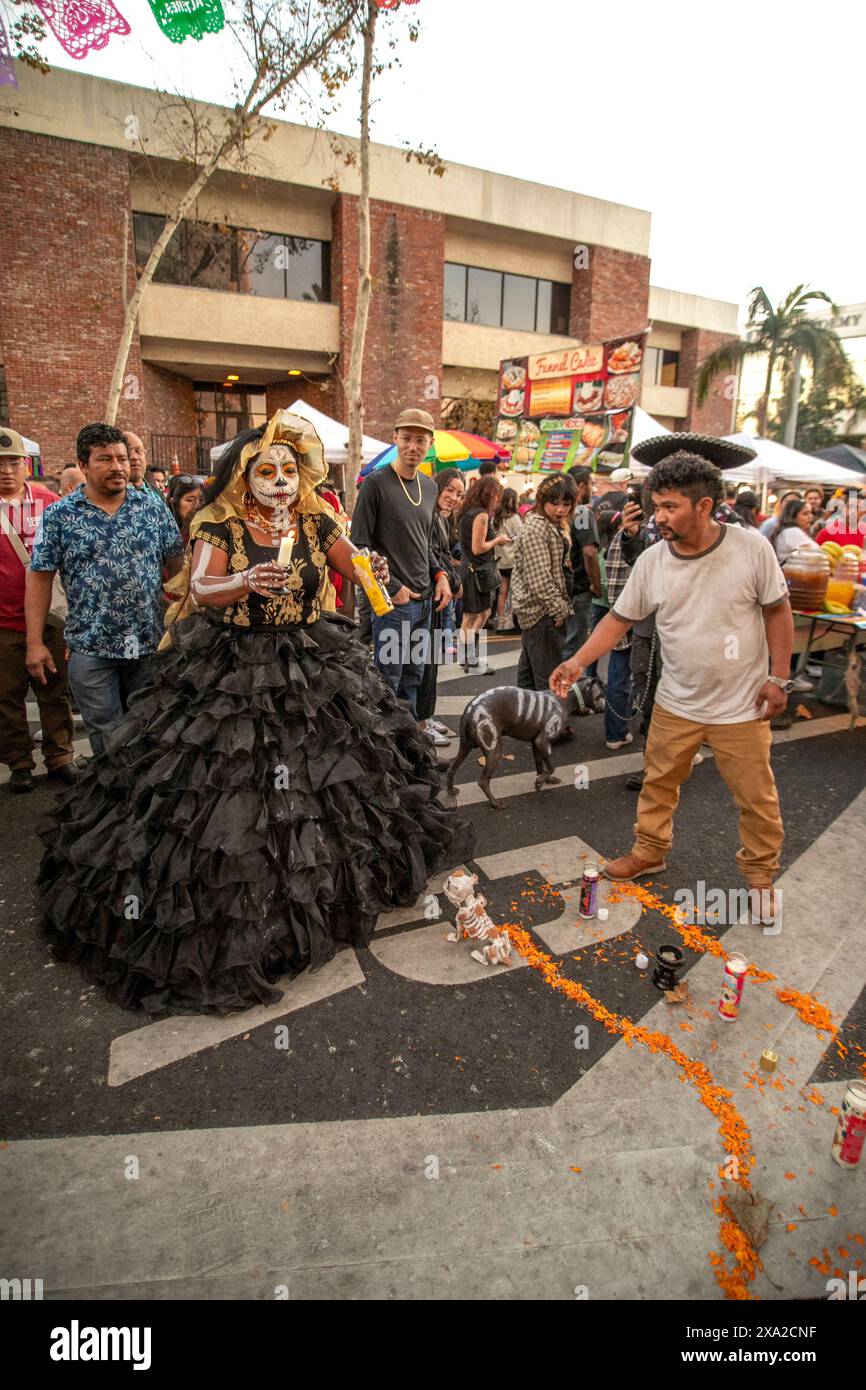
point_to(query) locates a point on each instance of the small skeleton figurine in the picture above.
(473, 923)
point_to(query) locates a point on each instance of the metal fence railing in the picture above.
(190, 451)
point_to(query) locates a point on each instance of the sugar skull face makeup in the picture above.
(273, 476)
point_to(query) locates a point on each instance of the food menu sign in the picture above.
(558, 409)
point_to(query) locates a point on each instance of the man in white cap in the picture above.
(394, 516)
(22, 502)
(610, 490)
(725, 630)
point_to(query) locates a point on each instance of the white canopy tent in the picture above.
(643, 427)
(773, 460)
(334, 436)
(778, 461)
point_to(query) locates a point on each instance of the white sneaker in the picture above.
(620, 743)
(438, 740)
(801, 686)
(440, 728)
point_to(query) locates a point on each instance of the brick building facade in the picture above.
(75, 190)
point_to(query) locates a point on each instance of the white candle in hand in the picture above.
(286, 546)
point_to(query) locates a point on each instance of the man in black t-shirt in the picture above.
(394, 516)
(586, 575)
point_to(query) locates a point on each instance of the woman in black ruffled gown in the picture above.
(267, 797)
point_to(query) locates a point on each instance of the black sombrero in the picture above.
(721, 452)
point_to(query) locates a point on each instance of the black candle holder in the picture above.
(669, 961)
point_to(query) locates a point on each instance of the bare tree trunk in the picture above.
(764, 402)
(253, 104)
(124, 266)
(130, 317)
(133, 304)
(354, 384)
(793, 402)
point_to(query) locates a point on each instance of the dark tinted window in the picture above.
(307, 268)
(560, 308)
(518, 303)
(499, 299)
(455, 291)
(215, 257)
(259, 268)
(484, 297)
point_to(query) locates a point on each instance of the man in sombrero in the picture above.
(268, 796)
(726, 632)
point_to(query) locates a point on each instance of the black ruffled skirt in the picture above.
(256, 809)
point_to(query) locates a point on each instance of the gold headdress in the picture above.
(282, 428)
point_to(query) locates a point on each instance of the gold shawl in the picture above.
(282, 428)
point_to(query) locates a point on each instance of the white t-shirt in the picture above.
(708, 616)
(791, 539)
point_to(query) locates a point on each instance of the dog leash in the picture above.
(637, 708)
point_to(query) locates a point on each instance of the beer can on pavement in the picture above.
(732, 986)
(588, 903)
(851, 1129)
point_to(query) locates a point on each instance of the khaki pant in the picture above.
(742, 754)
(55, 710)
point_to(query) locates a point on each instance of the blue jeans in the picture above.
(101, 686)
(448, 622)
(596, 613)
(619, 694)
(401, 641)
(576, 627)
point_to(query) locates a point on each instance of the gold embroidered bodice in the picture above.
(307, 575)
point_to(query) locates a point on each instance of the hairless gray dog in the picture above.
(534, 716)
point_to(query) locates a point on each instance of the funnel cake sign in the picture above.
(564, 408)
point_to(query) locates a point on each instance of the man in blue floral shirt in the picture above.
(110, 543)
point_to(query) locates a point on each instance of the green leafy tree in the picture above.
(828, 413)
(786, 335)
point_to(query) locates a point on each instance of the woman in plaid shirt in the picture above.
(539, 581)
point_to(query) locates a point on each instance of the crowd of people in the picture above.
(471, 556)
(155, 607)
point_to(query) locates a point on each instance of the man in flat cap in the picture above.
(726, 632)
(394, 516)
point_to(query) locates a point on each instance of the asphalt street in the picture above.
(410, 1027)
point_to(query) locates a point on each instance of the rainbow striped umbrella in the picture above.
(450, 449)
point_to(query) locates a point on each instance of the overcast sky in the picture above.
(737, 125)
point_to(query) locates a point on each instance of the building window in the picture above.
(214, 257)
(518, 302)
(455, 291)
(499, 299)
(484, 297)
(661, 367)
(224, 412)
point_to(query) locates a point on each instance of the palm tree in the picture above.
(785, 335)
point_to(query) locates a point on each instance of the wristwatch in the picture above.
(787, 686)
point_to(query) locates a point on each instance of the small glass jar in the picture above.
(808, 574)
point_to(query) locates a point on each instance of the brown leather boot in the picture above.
(765, 907)
(629, 867)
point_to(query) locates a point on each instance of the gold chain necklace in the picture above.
(405, 489)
